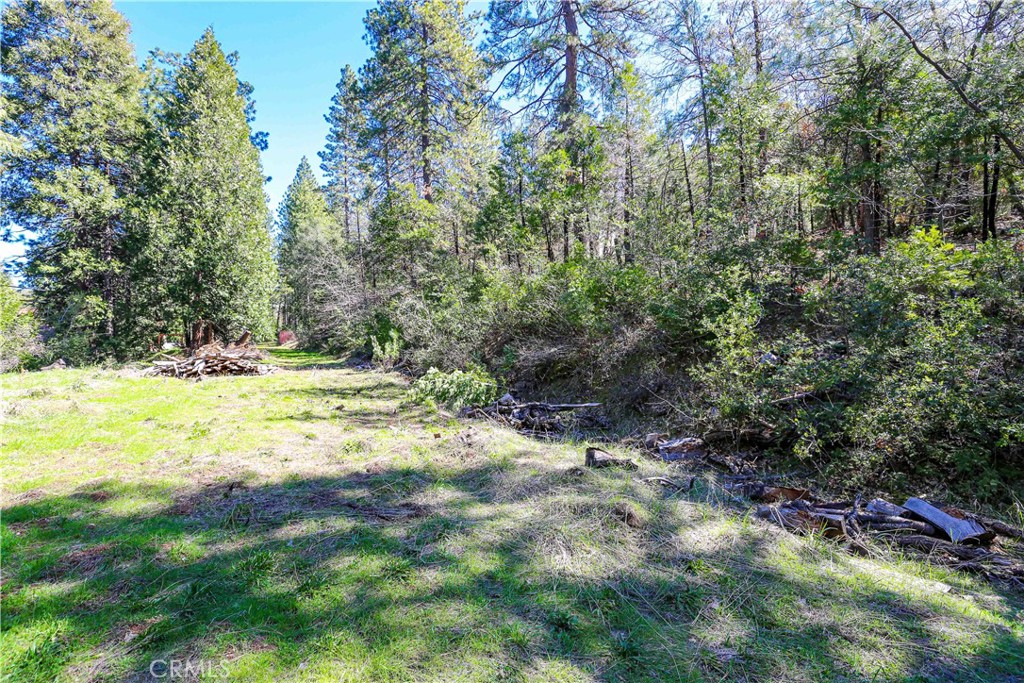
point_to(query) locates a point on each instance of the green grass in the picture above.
(249, 526)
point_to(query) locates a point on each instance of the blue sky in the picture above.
(291, 52)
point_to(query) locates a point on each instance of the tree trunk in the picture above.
(762, 132)
(984, 192)
(689, 191)
(627, 216)
(994, 190)
(546, 223)
(569, 88)
(428, 188)
(565, 239)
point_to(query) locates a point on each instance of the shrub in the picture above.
(19, 333)
(905, 366)
(387, 353)
(456, 389)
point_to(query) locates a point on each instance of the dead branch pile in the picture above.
(214, 359)
(529, 418)
(691, 450)
(945, 534)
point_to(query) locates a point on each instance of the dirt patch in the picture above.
(257, 644)
(23, 498)
(212, 496)
(135, 631)
(20, 528)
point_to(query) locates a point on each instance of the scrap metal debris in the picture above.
(669, 483)
(686, 448)
(958, 530)
(691, 449)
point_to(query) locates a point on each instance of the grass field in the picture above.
(311, 526)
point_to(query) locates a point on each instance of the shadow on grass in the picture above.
(417, 572)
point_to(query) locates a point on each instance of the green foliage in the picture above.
(456, 389)
(19, 332)
(211, 241)
(404, 231)
(311, 257)
(419, 88)
(387, 352)
(903, 364)
(733, 374)
(71, 100)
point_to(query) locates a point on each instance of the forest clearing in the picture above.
(314, 525)
(527, 340)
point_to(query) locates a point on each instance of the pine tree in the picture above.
(341, 159)
(304, 198)
(420, 86)
(322, 294)
(212, 239)
(546, 62)
(71, 90)
(303, 207)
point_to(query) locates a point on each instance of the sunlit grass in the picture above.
(310, 525)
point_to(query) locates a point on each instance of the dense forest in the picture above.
(795, 226)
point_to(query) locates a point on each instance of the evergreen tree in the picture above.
(342, 159)
(421, 87)
(71, 90)
(307, 234)
(303, 203)
(302, 209)
(212, 239)
(546, 62)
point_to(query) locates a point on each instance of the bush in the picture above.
(387, 352)
(19, 333)
(902, 366)
(456, 389)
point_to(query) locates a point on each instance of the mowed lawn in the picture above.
(313, 526)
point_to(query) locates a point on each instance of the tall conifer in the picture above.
(213, 240)
(73, 118)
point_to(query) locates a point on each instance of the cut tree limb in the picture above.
(595, 457)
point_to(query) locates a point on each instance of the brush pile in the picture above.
(538, 419)
(947, 535)
(214, 359)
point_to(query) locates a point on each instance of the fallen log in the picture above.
(884, 507)
(534, 418)
(595, 457)
(891, 523)
(947, 536)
